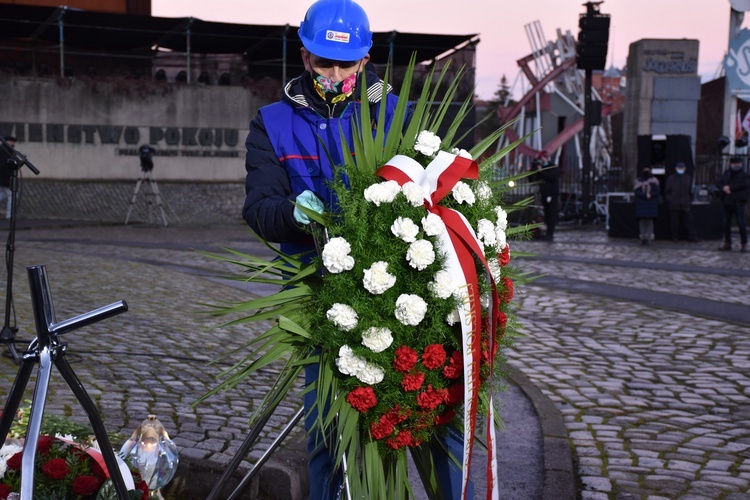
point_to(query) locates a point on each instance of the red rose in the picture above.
(362, 399)
(507, 294)
(382, 428)
(431, 398)
(433, 356)
(454, 395)
(86, 485)
(402, 439)
(455, 366)
(412, 381)
(445, 417)
(4, 491)
(405, 359)
(504, 257)
(14, 462)
(143, 488)
(56, 468)
(44, 444)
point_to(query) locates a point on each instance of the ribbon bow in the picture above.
(459, 243)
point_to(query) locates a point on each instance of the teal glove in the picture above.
(309, 200)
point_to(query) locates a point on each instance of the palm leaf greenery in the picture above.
(371, 448)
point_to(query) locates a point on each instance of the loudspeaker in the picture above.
(593, 37)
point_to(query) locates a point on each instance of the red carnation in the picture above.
(405, 359)
(397, 415)
(14, 462)
(382, 428)
(56, 468)
(403, 438)
(362, 399)
(455, 366)
(412, 381)
(44, 444)
(455, 394)
(86, 485)
(504, 257)
(4, 491)
(502, 321)
(433, 356)
(507, 294)
(445, 417)
(431, 398)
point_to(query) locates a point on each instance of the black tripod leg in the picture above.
(241, 453)
(96, 423)
(14, 398)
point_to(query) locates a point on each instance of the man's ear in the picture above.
(305, 58)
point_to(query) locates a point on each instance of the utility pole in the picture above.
(591, 54)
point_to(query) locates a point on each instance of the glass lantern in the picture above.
(153, 453)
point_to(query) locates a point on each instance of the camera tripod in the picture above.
(15, 160)
(153, 196)
(47, 349)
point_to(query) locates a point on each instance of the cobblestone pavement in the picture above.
(656, 399)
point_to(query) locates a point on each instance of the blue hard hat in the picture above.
(336, 29)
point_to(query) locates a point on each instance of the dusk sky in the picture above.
(500, 24)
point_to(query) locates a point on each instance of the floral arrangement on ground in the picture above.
(407, 308)
(68, 463)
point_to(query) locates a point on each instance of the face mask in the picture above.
(681, 171)
(736, 168)
(333, 92)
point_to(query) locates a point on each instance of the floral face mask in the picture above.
(334, 92)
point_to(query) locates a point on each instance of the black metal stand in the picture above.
(47, 349)
(16, 160)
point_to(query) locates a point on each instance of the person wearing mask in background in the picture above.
(734, 184)
(647, 198)
(548, 175)
(292, 149)
(678, 193)
(6, 173)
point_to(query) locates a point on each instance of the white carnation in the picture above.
(342, 316)
(377, 278)
(486, 232)
(443, 285)
(414, 194)
(377, 339)
(484, 191)
(463, 193)
(336, 256)
(427, 143)
(500, 239)
(383, 192)
(502, 218)
(462, 153)
(432, 224)
(404, 228)
(420, 254)
(370, 374)
(349, 363)
(410, 309)
(453, 317)
(495, 269)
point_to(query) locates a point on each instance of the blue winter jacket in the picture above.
(288, 150)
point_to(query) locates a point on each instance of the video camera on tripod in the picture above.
(146, 155)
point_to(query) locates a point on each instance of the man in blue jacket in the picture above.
(288, 161)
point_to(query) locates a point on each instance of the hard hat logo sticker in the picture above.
(338, 36)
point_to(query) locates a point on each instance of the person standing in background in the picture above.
(734, 184)
(678, 193)
(6, 173)
(549, 175)
(647, 198)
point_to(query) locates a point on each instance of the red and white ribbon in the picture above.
(459, 243)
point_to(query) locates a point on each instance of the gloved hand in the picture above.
(309, 200)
